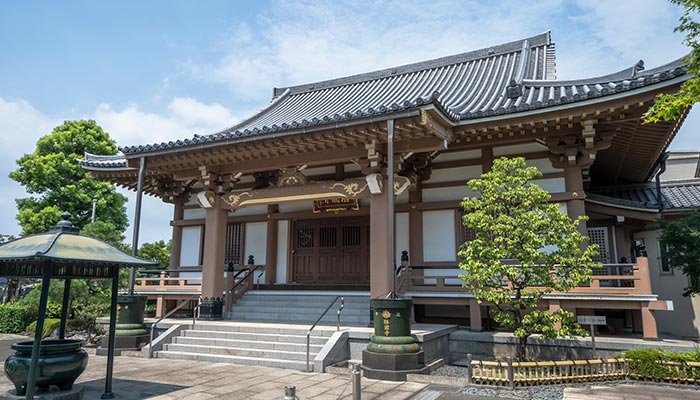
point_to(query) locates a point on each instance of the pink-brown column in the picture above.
(575, 207)
(176, 243)
(214, 249)
(380, 258)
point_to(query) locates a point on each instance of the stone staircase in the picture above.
(301, 307)
(269, 329)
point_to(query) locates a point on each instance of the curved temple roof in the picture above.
(505, 79)
(677, 195)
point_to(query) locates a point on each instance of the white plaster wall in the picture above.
(552, 185)
(544, 165)
(191, 246)
(256, 241)
(439, 236)
(456, 193)
(282, 250)
(455, 271)
(462, 174)
(196, 275)
(194, 213)
(401, 235)
(256, 244)
(518, 149)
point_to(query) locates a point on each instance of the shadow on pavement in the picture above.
(127, 389)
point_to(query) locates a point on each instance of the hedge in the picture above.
(663, 364)
(50, 325)
(14, 318)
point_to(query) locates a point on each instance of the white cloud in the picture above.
(184, 118)
(21, 125)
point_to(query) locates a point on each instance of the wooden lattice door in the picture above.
(330, 250)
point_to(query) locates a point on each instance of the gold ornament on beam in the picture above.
(206, 199)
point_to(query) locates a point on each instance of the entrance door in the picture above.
(331, 250)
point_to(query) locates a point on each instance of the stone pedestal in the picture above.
(130, 333)
(392, 367)
(392, 352)
(211, 309)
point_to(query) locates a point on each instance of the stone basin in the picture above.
(60, 363)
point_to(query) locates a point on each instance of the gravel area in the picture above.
(551, 392)
(554, 392)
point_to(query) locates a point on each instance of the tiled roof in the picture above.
(103, 163)
(509, 78)
(682, 194)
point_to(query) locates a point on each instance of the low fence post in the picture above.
(511, 374)
(470, 370)
(624, 364)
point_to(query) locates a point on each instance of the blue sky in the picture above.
(149, 71)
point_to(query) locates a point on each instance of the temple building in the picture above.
(304, 186)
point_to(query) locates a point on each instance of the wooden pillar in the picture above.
(214, 249)
(271, 247)
(649, 331)
(160, 306)
(576, 206)
(474, 316)
(176, 247)
(486, 159)
(380, 258)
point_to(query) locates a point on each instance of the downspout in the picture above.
(659, 199)
(390, 202)
(137, 223)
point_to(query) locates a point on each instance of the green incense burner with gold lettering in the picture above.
(392, 327)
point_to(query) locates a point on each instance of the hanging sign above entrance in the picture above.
(335, 205)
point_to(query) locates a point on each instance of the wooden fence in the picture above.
(522, 374)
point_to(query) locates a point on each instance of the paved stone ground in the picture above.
(161, 379)
(631, 392)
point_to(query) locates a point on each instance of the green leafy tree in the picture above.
(56, 183)
(680, 240)
(524, 248)
(668, 107)
(159, 251)
(105, 231)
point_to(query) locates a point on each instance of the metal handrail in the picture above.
(153, 327)
(250, 272)
(308, 333)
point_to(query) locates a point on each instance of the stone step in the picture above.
(262, 328)
(286, 317)
(299, 310)
(250, 344)
(237, 351)
(263, 337)
(322, 299)
(266, 362)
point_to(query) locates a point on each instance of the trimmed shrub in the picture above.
(50, 325)
(14, 318)
(662, 364)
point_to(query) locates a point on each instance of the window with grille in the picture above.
(464, 234)
(663, 259)
(234, 242)
(599, 236)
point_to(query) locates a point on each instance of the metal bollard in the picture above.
(356, 382)
(290, 392)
